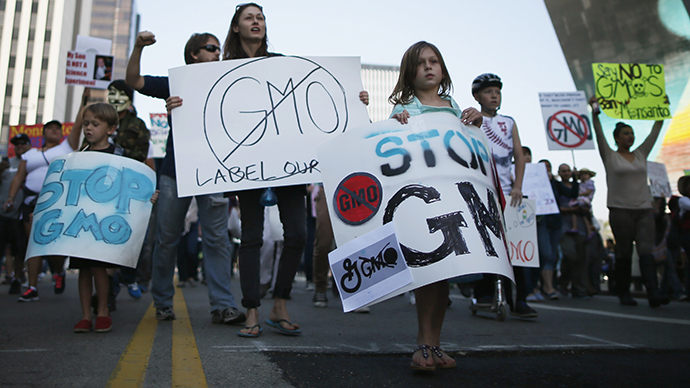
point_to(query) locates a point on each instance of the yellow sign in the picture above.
(631, 91)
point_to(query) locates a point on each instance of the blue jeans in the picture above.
(213, 217)
(549, 232)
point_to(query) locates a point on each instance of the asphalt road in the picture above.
(573, 343)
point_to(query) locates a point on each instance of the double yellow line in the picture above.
(187, 370)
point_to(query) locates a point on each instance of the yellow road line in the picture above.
(131, 369)
(187, 370)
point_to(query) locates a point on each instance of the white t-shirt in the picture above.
(37, 163)
(499, 132)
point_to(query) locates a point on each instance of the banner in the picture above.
(566, 120)
(252, 123)
(369, 267)
(433, 179)
(95, 206)
(536, 186)
(35, 133)
(90, 63)
(159, 130)
(658, 180)
(521, 229)
(632, 91)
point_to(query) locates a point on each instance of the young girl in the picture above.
(424, 86)
(99, 122)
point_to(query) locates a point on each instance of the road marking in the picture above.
(602, 340)
(187, 370)
(130, 371)
(618, 315)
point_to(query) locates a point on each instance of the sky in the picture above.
(514, 39)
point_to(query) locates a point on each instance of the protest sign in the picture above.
(632, 91)
(536, 186)
(95, 206)
(433, 179)
(566, 120)
(159, 133)
(90, 63)
(521, 229)
(256, 122)
(369, 267)
(658, 180)
(35, 133)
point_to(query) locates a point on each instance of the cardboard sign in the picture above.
(521, 229)
(658, 180)
(536, 186)
(90, 64)
(632, 91)
(35, 133)
(159, 130)
(566, 120)
(369, 267)
(93, 205)
(252, 123)
(436, 186)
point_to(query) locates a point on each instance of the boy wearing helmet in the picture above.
(502, 133)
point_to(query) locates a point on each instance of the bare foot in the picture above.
(441, 359)
(279, 313)
(251, 325)
(421, 359)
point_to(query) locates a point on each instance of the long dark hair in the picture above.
(404, 91)
(232, 48)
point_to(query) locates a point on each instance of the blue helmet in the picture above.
(485, 80)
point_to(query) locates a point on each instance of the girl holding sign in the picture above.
(424, 86)
(630, 205)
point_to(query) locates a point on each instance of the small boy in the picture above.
(584, 201)
(98, 121)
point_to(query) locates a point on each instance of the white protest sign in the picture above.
(90, 63)
(658, 180)
(252, 123)
(95, 206)
(433, 179)
(536, 186)
(521, 229)
(159, 130)
(566, 120)
(369, 267)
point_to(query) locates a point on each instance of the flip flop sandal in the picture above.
(250, 334)
(437, 352)
(425, 354)
(277, 325)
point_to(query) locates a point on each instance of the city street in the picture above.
(573, 343)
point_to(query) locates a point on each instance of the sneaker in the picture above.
(363, 310)
(103, 324)
(522, 310)
(532, 298)
(320, 299)
(15, 287)
(181, 285)
(165, 314)
(134, 290)
(29, 295)
(552, 296)
(59, 280)
(84, 326)
(228, 316)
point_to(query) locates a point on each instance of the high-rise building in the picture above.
(35, 37)
(379, 81)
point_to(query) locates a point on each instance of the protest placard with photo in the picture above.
(433, 178)
(90, 63)
(251, 123)
(95, 206)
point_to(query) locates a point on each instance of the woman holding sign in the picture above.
(630, 206)
(424, 86)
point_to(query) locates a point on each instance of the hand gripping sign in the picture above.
(433, 179)
(95, 206)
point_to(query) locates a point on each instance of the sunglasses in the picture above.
(245, 4)
(210, 48)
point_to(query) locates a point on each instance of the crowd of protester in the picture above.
(207, 237)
